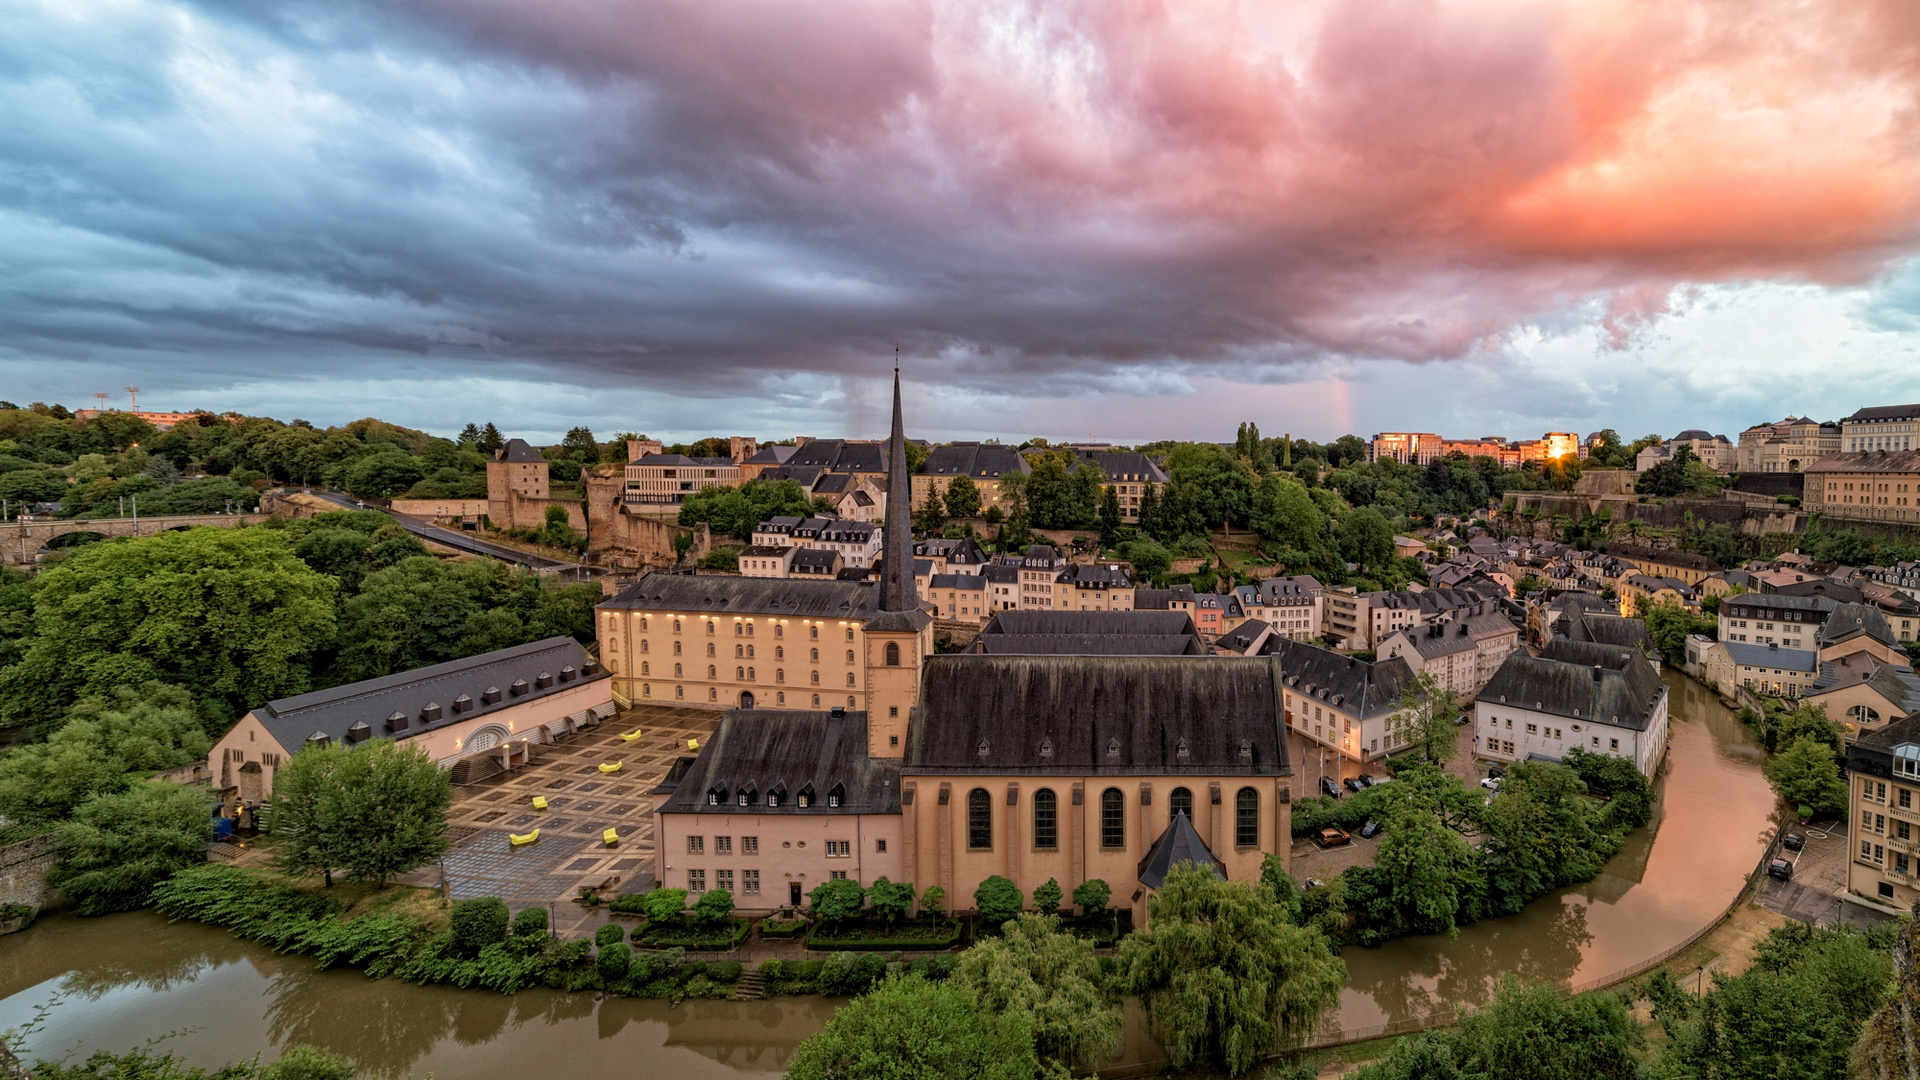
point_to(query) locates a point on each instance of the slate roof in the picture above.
(1100, 715)
(822, 561)
(804, 475)
(1178, 844)
(1579, 680)
(1122, 466)
(839, 455)
(1089, 633)
(1242, 637)
(780, 750)
(682, 459)
(1685, 559)
(748, 596)
(1434, 640)
(518, 452)
(1615, 630)
(1832, 590)
(1873, 461)
(1849, 620)
(1885, 412)
(1098, 576)
(1899, 684)
(1145, 599)
(976, 460)
(957, 581)
(1770, 656)
(1280, 590)
(1771, 605)
(770, 455)
(1352, 686)
(331, 712)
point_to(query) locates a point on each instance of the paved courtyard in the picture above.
(582, 802)
(1819, 878)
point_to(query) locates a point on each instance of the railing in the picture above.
(1450, 1017)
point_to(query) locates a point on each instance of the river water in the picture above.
(128, 980)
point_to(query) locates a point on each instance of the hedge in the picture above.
(691, 936)
(782, 928)
(882, 937)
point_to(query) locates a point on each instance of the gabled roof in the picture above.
(1614, 630)
(839, 455)
(975, 460)
(1851, 620)
(1178, 844)
(804, 475)
(784, 750)
(1353, 686)
(1089, 633)
(518, 452)
(1884, 412)
(771, 455)
(459, 688)
(957, 581)
(748, 596)
(1770, 656)
(1579, 680)
(1101, 715)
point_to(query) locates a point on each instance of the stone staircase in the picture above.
(752, 986)
(472, 770)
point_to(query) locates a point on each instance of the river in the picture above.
(128, 980)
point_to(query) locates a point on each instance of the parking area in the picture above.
(1819, 877)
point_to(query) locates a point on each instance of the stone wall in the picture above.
(23, 871)
(516, 511)
(619, 538)
(1606, 482)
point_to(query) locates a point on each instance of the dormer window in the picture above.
(359, 732)
(1180, 750)
(1906, 761)
(1113, 747)
(1046, 748)
(431, 712)
(745, 796)
(397, 722)
(491, 696)
(805, 798)
(462, 703)
(984, 748)
(1246, 749)
(716, 796)
(836, 796)
(518, 688)
(543, 680)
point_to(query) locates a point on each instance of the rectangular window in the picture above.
(723, 879)
(1879, 854)
(1866, 850)
(696, 881)
(749, 845)
(1866, 819)
(750, 883)
(1533, 729)
(1905, 798)
(1880, 823)
(723, 845)
(696, 845)
(837, 875)
(1113, 823)
(1613, 744)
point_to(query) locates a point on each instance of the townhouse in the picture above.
(1603, 699)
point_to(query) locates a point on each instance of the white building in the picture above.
(1601, 698)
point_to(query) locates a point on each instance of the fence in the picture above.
(1450, 1017)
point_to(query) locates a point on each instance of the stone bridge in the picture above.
(23, 543)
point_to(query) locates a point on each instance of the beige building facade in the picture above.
(1874, 485)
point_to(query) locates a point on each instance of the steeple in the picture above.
(897, 592)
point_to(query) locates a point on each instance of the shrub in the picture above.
(1046, 897)
(614, 961)
(939, 967)
(725, 971)
(303, 1062)
(478, 923)
(531, 922)
(934, 900)
(919, 967)
(643, 967)
(713, 908)
(629, 904)
(772, 969)
(836, 974)
(1092, 895)
(610, 934)
(664, 905)
(998, 899)
(782, 928)
(866, 971)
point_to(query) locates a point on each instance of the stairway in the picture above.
(751, 987)
(472, 770)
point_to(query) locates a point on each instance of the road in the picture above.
(454, 538)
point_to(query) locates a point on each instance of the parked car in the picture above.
(1496, 771)
(1780, 868)
(1353, 784)
(1462, 720)
(1315, 883)
(1368, 781)
(1332, 789)
(1370, 830)
(1327, 838)
(1491, 783)
(1793, 841)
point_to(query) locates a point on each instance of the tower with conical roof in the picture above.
(900, 637)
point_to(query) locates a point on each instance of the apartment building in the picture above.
(982, 463)
(1129, 474)
(1869, 485)
(1884, 814)
(1339, 702)
(1788, 446)
(1603, 699)
(1771, 619)
(1714, 451)
(959, 597)
(1292, 605)
(1462, 649)
(1882, 427)
(858, 543)
(667, 479)
(1406, 447)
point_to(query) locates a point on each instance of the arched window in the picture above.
(979, 820)
(676, 626)
(712, 672)
(643, 645)
(1180, 802)
(893, 654)
(710, 650)
(816, 682)
(1046, 819)
(849, 678)
(1246, 818)
(1113, 819)
(739, 651)
(780, 675)
(814, 632)
(1862, 714)
(676, 648)
(814, 655)
(849, 656)
(738, 630)
(676, 671)
(849, 633)
(644, 667)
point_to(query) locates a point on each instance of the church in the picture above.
(849, 751)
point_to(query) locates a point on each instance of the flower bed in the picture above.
(782, 928)
(913, 934)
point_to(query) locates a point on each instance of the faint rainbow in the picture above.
(1342, 408)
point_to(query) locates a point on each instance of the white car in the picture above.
(1491, 783)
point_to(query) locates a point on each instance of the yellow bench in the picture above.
(609, 766)
(693, 744)
(521, 840)
(610, 837)
(629, 736)
(539, 802)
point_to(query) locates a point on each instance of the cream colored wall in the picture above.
(893, 691)
(630, 639)
(937, 834)
(792, 848)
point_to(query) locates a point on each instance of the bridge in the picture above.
(23, 543)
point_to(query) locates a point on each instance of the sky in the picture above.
(1113, 219)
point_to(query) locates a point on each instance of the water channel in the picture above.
(128, 980)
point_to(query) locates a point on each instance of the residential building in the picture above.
(855, 496)
(1003, 586)
(1772, 619)
(761, 460)
(981, 463)
(1884, 821)
(1129, 474)
(858, 542)
(959, 597)
(1713, 451)
(1856, 628)
(667, 479)
(1882, 427)
(1089, 633)
(1361, 621)
(1618, 631)
(1405, 447)
(1869, 485)
(494, 706)
(1684, 566)
(951, 556)
(1603, 699)
(1863, 693)
(1040, 568)
(767, 560)
(842, 456)
(1461, 648)
(1094, 587)
(1639, 592)
(776, 803)
(816, 564)
(1772, 669)
(1293, 605)
(1788, 446)
(1341, 703)
(1215, 614)
(1071, 768)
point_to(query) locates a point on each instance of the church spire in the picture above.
(897, 590)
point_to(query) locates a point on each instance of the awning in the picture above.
(580, 719)
(557, 728)
(604, 711)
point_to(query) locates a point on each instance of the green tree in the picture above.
(490, 440)
(1424, 880)
(1540, 835)
(1109, 517)
(1092, 896)
(837, 900)
(1366, 536)
(116, 848)
(1806, 776)
(383, 474)
(934, 900)
(891, 900)
(1224, 973)
(231, 615)
(1528, 1032)
(478, 923)
(1285, 514)
(579, 445)
(664, 905)
(1052, 977)
(963, 497)
(1669, 623)
(911, 1029)
(931, 514)
(469, 435)
(371, 811)
(102, 746)
(1046, 897)
(1424, 717)
(997, 899)
(1149, 559)
(714, 907)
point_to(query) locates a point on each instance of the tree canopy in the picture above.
(1053, 977)
(116, 848)
(371, 811)
(908, 1028)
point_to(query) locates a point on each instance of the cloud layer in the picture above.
(722, 204)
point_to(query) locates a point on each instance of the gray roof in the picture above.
(1124, 466)
(1353, 686)
(770, 455)
(1098, 576)
(1614, 630)
(1899, 684)
(1873, 753)
(1436, 639)
(804, 475)
(1105, 715)
(508, 676)
(1884, 412)
(1090, 633)
(778, 750)
(1179, 844)
(1753, 605)
(1770, 656)
(816, 561)
(518, 452)
(1667, 558)
(1278, 590)
(1850, 620)
(1579, 680)
(1832, 590)
(957, 581)
(748, 596)
(838, 455)
(1869, 461)
(1242, 637)
(682, 459)
(976, 460)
